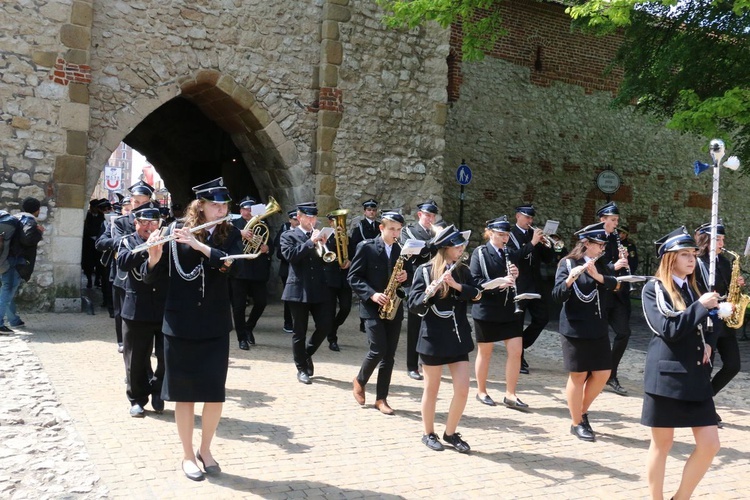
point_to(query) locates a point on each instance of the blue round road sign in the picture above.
(463, 174)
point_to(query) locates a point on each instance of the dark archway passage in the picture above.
(187, 148)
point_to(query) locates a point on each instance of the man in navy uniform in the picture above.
(284, 264)
(618, 302)
(421, 230)
(250, 278)
(369, 275)
(526, 247)
(366, 228)
(305, 288)
(338, 287)
(142, 315)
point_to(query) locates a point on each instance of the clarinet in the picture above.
(519, 309)
(623, 251)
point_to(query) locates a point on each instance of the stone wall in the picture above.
(391, 138)
(546, 145)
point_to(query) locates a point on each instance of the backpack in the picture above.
(9, 226)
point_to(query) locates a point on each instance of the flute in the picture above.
(173, 236)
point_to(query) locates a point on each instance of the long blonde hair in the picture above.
(664, 274)
(194, 217)
(439, 263)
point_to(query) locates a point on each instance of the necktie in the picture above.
(308, 234)
(686, 295)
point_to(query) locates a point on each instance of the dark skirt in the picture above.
(442, 360)
(661, 411)
(195, 369)
(586, 355)
(494, 331)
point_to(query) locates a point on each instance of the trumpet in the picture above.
(173, 236)
(548, 242)
(342, 240)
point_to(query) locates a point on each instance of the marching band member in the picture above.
(618, 301)
(304, 288)
(528, 251)
(579, 284)
(440, 294)
(249, 278)
(726, 338)
(284, 264)
(420, 230)
(142, 316)
(197, 318)
(366, 229)
(494, 316)
(369, 275)
(677, 377)
(339, 289)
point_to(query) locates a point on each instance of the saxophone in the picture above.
(735, 296)
(393, 291)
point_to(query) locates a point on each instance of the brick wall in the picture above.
(539, 37)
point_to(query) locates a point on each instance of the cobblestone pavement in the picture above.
(65, 431)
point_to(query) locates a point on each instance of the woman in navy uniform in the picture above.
(583, 324)
(142, 316)
(494, 316)
(440, 293)
(677, 377)
(197, 318)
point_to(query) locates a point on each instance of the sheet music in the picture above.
(551, 227)
(412, 247)
(747, 246)
(527, 296)
(258, 209)
(497, 283)
(326, 232)
(632, 278)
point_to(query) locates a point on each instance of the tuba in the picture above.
(735, 296)
(260, 231)
(342, 240)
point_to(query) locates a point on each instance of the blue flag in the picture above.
(700, 167)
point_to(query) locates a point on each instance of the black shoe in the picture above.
(244, 345)
(137, 411)
(310, 367)
(193, 474)
(459, 444)
(415, 375)
(288, 329)
(432, 442)
(19, 325)
(586, 424)
(524, 364)
(304, 378)
(523, 370)
(581, 432)
(4, 330)
(334, 346)
(614, 384)
(486, 399)
(210, 469)
(251, 338)
(719, 423)
(157, 403)
(516, 404)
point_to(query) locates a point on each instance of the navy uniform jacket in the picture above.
(416, 232)
(579, 319)
(335, 277)
(143, 301)
(197, 309)
(674, 361)
(306, 281)
(258, 269)
(612, 255)
(495, 305)
(369, 274)
(528, 258)
(722, 281)
(283, 263)
(361, 232)
(438, 335)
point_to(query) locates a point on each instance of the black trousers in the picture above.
(118, 297)
(343, 297)
(539, 311)
(413, 324)
(383, 338)
(618, 316)
(240, 290)
(288, 323)
(729, 350)
(301, 347)
(139, 338)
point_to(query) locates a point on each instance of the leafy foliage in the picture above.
(479, 19)
(688, 61)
